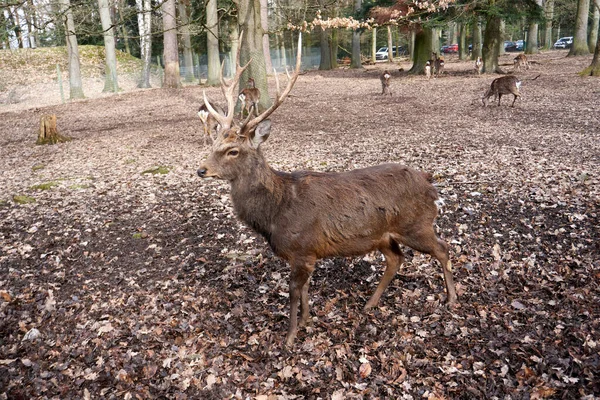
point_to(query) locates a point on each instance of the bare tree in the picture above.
(264, 20)
(356, 61)
(212, 42)
(171, 53)
(110, 63)
(549, 15)
(580, 45)
(593, 38)
(145, 24)
(76, 87)
(188, 62)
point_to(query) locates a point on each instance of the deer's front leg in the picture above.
(300, 275)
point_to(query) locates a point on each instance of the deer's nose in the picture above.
(201, 172)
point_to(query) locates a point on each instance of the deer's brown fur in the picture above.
(520, 61)
(250, 97)
(504, 85)
(385, 78)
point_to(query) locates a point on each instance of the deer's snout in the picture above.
(201, 172)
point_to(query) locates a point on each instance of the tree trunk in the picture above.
(264, 20)
(463, 50)
(76, 87)
(374, 45)
(188, 58)
(110, 63)
(252, 48)
(334, 41)
(593, 38)
(502, 38)
(549, 14)
(422, 50)
(48, 133)
(234, 38)
(144, 16)
(533, 36)
(411, 41)
(594, 68)
(212, 43)
(123, 26)
(325, 63)
(490, 44)
(390, 44)
(356, 61)
(171, 52)
(580, 46)
(477, 39)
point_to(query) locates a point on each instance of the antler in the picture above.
(228, 90)
(280, 97)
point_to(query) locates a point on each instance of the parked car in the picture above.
(516, 46)
(564, 43)
(382, 53)
(507, 44)
(450, 48)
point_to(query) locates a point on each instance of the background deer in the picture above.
(520, 61)
(437, 63)
(385, 82)
(305, 216)
(209, 123)
(479, 65)
(250, 97)
(428, 69)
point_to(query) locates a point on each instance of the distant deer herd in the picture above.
(304, 215)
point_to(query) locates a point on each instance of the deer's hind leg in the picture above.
(426, 241)
(393, 258)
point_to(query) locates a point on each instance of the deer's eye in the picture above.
(233, 153)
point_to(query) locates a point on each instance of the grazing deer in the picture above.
(520, 61)
(428, 69)
(250, 97)
(209, 123)
(479, 65)
(306, 216)
(385, 82)
(509, 84)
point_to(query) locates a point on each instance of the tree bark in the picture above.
(76, 87)
(462, 42)
(374, 45)
(422, 50)
(501, 38)
(212, 43)
(593, 38)
(580, 46)
(171, 52)
(110, 63)
(477, 39)
(48, 133)
(144, 17)
(325, 63)
(549, 14)
(533, 36)
(252, 48)
(123, 26)
(490, 44)
(390, 44)
(234, 38)
(356, 61)
(264, 20)
(188, 58)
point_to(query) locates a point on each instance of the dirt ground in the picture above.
(116, 282)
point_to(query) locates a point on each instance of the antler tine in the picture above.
(280, 97)
(221, 119)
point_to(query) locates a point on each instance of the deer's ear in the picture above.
(260, 134)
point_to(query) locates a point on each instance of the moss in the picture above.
(137, 235)
(130, 161)
(44, 186)
(54, 139)
(37, 167)
(19, 199)
(158, 170)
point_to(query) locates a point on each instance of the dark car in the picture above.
(516, 46)
(507, 44)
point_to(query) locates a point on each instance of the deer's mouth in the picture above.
(204, 173)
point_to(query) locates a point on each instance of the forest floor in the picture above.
(124, 275)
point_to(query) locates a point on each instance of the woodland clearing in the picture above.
(124, 275)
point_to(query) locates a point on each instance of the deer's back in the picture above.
(350, 213)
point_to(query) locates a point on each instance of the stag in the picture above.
(306, 216)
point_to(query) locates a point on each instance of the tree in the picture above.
(355, 61)
(594, 68)
(171, 52)
(110, 63)
(264, 20)
(212, 43)
(422, 49)
(477, 38)
(144, 17)
(549, 16)
(251, 48)
(580, 46)
(491, 39)
(75, 85)
(593, 38)
(188, 62)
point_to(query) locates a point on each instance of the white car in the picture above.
(564, 43)
(382, 53)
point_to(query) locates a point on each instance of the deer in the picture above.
(250, 97)
(520, 61)
(385, 82)
(209, 123)
(509, 84)
(305, 216)
(428, 69)
(437, 63)
(479, 65)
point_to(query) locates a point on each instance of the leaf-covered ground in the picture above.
(123, 275)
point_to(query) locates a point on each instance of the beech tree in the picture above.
(212, 43)
(580, 45)
(171, 52)
(110, 64)
(75, 85)
(186, 41)
(144, 17)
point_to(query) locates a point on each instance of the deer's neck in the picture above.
(258, 197)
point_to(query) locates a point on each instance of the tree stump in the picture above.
(48, 132)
